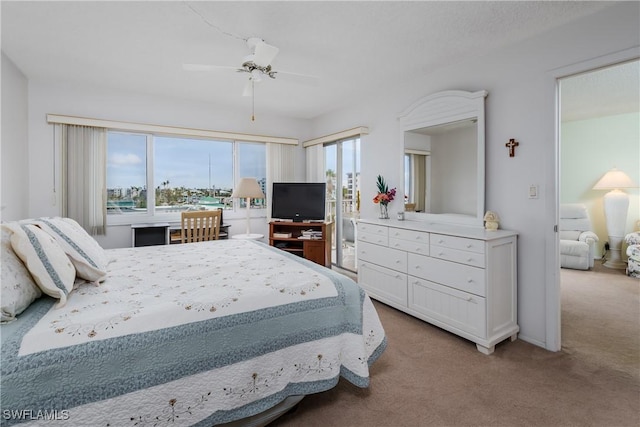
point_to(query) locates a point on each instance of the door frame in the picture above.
(552, 276)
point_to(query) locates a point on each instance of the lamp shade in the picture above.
(248, 188)
(614, 179)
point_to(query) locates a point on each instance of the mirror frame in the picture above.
(442, 108)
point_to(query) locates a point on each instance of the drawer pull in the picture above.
(469, 246)
(396, 245)
(440, 241)
(418, 249)
(398, 276)
(398, 261)
(469, 259)
(469, 280)
(440, 253)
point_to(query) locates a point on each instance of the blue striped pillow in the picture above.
(87, 256)
(49, 266)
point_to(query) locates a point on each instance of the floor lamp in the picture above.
(248, 189)
(616, 206)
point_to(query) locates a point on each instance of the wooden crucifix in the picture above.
(511, 145)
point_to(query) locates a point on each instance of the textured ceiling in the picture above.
(352, 47)
(604, 92)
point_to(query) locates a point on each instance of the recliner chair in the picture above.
(577, 241)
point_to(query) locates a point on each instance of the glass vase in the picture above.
(384, 211)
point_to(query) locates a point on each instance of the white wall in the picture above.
(588, 149)
(13, 149)
(103, 103)
(521, 104)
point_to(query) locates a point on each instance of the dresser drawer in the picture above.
(380, 230)
(383, 256)
(462, 277)
(464, 257)
(409, 235)
(454, 308)
(409, 246)
(460, 243)
(378, 239)
(383, 283)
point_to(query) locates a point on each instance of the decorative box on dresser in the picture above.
(462, 279)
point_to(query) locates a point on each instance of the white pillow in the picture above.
(48, 264)
(18, 287)
(87, 256)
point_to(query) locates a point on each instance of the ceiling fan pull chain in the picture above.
(253, 101)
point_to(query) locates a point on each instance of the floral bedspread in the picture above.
(195, 334)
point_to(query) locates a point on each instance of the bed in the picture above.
(195, 334)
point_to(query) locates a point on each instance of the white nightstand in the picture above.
(248, 236)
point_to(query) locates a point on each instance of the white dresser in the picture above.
(462, 279)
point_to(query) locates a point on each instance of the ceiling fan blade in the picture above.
(205, 67)
(303, 79)
(264, 54)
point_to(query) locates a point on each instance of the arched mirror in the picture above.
(443, 140)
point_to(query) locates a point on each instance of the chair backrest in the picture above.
(199, 226)
(574, 219)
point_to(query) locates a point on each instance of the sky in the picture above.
(193, 163)
(190, 163)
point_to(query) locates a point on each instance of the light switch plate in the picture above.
(533, 191)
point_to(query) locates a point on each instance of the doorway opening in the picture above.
(598, 130)
(342, 172)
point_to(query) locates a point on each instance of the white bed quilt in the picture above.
(194, 334)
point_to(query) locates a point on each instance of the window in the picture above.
(126, 173)
(158, 175)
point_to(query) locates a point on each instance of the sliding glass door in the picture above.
(342, 174)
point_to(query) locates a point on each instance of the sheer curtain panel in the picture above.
(281, 161)
(315, 163)
(84, 176)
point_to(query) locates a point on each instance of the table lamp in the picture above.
(248, 189)
(616, 206)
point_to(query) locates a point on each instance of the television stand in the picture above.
(288, 236)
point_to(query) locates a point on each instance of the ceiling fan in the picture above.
(258, 66)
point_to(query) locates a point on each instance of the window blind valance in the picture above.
(345, 134)
(167, 130)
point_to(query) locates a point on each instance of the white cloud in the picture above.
(124, 159)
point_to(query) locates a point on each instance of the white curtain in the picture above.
(84, 176)
(314, 155)
(419, 168)
(280, 167)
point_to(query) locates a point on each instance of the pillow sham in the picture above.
(19, 289)
(87, 256)
(44, 258)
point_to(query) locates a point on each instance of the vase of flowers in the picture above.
(383, 197)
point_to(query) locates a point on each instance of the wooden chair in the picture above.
(199, 226)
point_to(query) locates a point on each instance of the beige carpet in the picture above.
(428, 377)
(601, 317)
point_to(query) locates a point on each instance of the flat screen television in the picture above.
(298, 201)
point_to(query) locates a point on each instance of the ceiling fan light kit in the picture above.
(257, 64)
